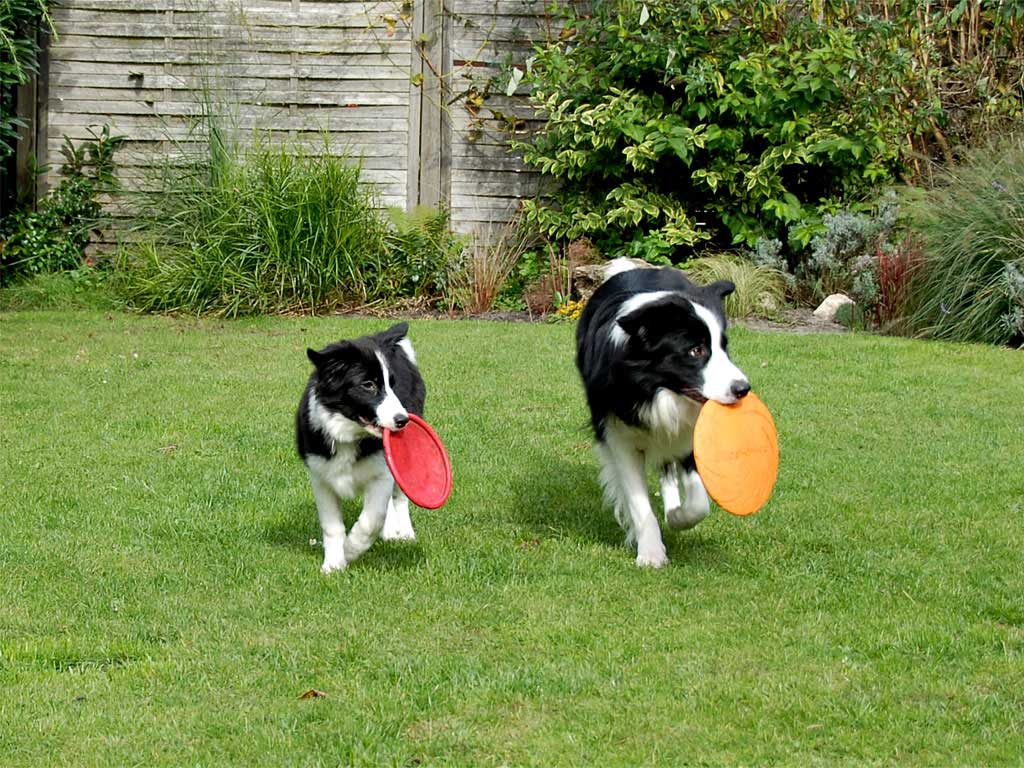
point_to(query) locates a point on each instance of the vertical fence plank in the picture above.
(434, 127)
(417, 75)
(380, 79)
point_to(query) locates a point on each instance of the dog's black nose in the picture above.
(401, 420)
(740, 389)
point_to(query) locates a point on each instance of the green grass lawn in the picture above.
(161, 601)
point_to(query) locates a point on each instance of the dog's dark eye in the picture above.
(699, 351)
(369, 386)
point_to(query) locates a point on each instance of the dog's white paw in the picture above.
(397, 527)
(652, 557)
(331, 566)
(683, 517)
(334, 556)
(398, 523)
(398, 533)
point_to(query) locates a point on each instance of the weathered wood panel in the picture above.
(390, 82)
(332, 75)
(487, 179)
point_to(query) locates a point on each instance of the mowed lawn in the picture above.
(161, 601)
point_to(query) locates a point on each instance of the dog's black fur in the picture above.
(619, 379)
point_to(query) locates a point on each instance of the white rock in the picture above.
(831, 305)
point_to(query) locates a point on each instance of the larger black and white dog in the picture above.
(651, 349)
(358, 388)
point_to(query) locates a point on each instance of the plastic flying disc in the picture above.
(736, 450)
(417, 459)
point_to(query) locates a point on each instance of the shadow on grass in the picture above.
(563, 501)
(295, 529)
(566, 502)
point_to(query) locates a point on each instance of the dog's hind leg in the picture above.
(398, 524)
(625, 478)
(371, 520)
(696, 505)
(328, 508)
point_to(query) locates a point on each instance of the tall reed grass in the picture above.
(254, 229)
(490, 259)
(969, 283)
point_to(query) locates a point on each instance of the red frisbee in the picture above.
(420, 465)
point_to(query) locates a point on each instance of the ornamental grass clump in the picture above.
(760, 290)
(969, 283)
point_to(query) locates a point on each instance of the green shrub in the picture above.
(968, 64)
(844, 255)
(253, 230)
(760, 290)
(673, 123)
(422, 254)
(18, 60)
(53, 237)
(266, 226)
(969, 285)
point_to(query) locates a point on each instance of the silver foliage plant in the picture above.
(1013, 277)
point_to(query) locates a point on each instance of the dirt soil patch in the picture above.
(793, 321)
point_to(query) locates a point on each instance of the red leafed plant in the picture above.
(896, 266)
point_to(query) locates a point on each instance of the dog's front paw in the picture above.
(686, 516)
(334, 555)
(397, 531)
(652, 557)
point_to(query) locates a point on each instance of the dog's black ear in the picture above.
(330, 355)
(316, 358)
(395, 333)
(721, 288)
(666, 313)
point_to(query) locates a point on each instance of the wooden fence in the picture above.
(414, 88)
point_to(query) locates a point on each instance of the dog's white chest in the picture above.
(346, 475)
(667, 431)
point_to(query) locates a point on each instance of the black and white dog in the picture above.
(358, 389)
(651, 349)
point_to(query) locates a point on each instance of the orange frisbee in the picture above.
(736, 450)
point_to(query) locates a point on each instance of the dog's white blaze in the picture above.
(617, 335)
(390, 407)
(406, 346)
(720, 373)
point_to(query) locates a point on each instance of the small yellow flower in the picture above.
(570, 309)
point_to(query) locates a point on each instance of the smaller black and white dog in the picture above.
(651, 349)
(358, 389)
